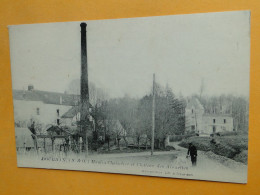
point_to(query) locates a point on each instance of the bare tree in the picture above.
(202, 88)
(96, 95)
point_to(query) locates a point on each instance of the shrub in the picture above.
(233, 147)
(202, 143)
(242, 157)
(239, 142)
(223, 150)
(176, 138)
(228, 133)
(168, 148)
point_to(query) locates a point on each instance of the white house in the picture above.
(204, 124)
(42, 107)
(193, 115)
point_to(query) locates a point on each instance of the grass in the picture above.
(133, 150)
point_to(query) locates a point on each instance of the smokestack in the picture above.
(84, 91)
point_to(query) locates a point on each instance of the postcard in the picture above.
(164, 96)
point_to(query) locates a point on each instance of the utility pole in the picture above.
(153, 116)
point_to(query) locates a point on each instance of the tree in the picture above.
(143, 123)
(169, 115)
(134, 115)
(202, 88)
(96, 95)
(240, 113)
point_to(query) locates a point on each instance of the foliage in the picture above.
(228, 146)
(135, 117)
(176, 138)
(169, 115)
(242, 157)
(96, 95)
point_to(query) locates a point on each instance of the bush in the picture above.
(233, 147)
(168, 148)
(223, 150)
(202, 143)
(176, 138)
(238, 142)
(228, 133)
(242, 157)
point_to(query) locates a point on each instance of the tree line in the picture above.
(133, 117)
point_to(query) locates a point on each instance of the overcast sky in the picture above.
(124, 53)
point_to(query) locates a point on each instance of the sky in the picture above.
(123, 54)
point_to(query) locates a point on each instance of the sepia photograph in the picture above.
(164, 96)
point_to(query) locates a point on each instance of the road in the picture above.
(212, 168)
(163, 163)
(206, 169)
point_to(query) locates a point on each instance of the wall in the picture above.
(193, 117)
(219, 124)
(27, 110)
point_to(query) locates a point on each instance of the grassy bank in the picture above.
(115, 150)
(234, 147)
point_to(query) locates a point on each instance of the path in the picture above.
(207, 167)
(144, 164)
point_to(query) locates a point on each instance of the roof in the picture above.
(46, 97)
(54, 128)
(194, 103)
(69, 130)
(217, 115)
(72, 130)
(73, 111)
(23, 137)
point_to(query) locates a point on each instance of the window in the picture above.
(192, 111)
(214, 120)
(38, 111)
(58, 121)
(58, 112)
(224, 120)
(214, 129)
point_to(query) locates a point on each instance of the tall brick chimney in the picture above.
(84, 90)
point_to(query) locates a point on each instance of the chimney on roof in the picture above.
(30, 88)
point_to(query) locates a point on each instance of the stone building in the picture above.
(205, 124)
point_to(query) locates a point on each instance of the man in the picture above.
(192, 151)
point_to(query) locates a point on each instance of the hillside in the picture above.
(234, 146)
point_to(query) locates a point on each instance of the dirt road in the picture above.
(163, 163)
(206, 169)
